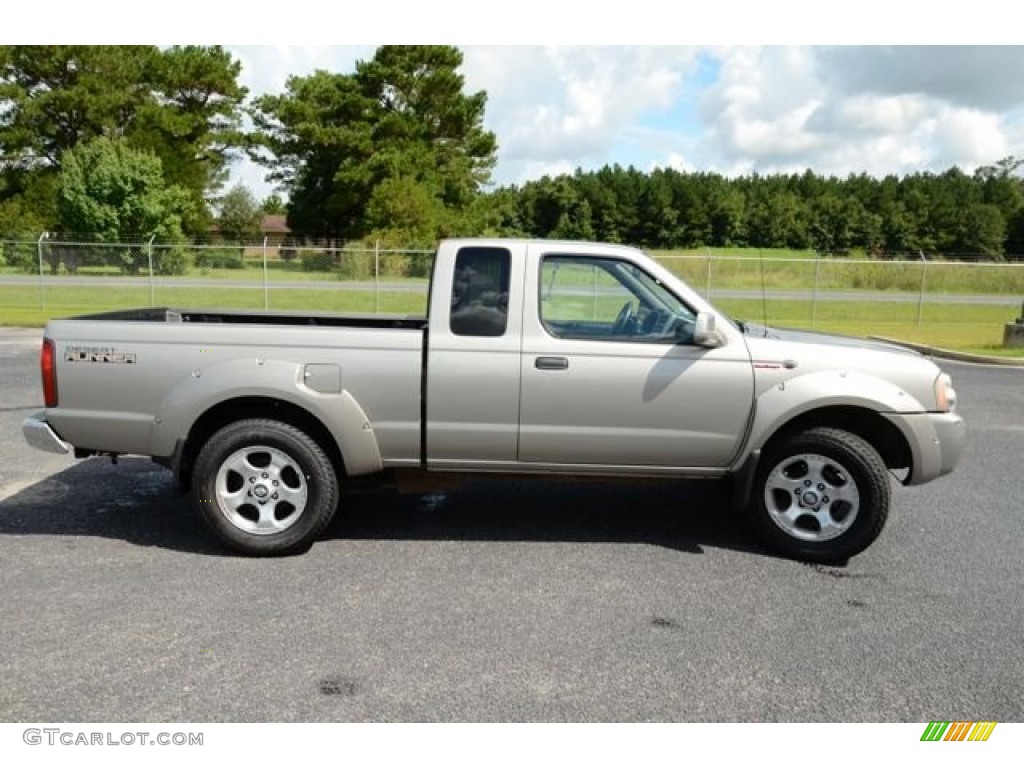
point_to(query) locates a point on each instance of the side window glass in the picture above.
(480, 292)
(607, 299)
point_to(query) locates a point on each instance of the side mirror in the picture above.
(705, 333)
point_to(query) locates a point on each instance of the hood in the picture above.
(757, 331)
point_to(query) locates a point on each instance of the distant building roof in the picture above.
(274, 224)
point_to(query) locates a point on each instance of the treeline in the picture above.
(952, 213)
(123, 143)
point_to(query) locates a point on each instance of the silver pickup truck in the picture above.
(535, 358)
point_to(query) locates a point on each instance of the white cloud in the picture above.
(759, 108)
(869, 114)
(987, 77)
(567, 106)
(879, 111)
(266, 68)
(969, 137)
(674, 161)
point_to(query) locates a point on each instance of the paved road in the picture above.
(547, 601)
(406, 286)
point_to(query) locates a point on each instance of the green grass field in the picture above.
(973, 328)
(970, 328)
(799, 270)
(23, 305)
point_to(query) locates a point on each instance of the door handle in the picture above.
(551, 363)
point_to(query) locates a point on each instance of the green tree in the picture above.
(315, 139)
(273, 205)
(658, 218)
(1015, 237)
(727, 208)
(830, 228)
(192, 120)
(118, 194)
(403, 212)
(182, 103)
(898, 230)
(1001, 186)
(402, 119)
(55, 96)
(240, 215)
(774, 220)
(982, 231)
(19, 230)
(554, 208)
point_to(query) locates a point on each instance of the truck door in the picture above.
(473, 361)
(608, 377)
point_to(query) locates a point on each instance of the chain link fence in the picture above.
(72, 276)
(57, 275)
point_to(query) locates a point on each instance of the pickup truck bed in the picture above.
(172, 315)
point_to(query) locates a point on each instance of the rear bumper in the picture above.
(937, 441)
(41, 436)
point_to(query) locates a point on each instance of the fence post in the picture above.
(266, 286)
(376, 277)
(42, 287)
(152, 287)
(920, 298)
(814, 293)
(707, 288)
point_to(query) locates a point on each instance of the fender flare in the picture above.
(207, 388)
(786, 401)
(779, 405)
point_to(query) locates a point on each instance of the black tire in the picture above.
(264, 487)
(820, 496)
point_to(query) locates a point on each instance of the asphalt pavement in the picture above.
(541, 601)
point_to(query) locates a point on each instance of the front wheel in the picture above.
(264, 487)
(821, 495)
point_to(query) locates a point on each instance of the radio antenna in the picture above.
(764, 293)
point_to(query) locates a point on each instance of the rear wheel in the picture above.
(821, 495)
(264, 487)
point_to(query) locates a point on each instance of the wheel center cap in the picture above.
(810, 498)
(260, 491)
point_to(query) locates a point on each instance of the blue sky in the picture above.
(732, 109)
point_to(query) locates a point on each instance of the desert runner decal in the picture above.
(76, 354)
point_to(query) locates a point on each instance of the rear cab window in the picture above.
(480, 287)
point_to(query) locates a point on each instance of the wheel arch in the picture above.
(880, 433)
(871, 426)
(254, 407)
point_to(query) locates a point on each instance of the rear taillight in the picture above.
(48, 364)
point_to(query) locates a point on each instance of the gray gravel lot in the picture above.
(525, 602)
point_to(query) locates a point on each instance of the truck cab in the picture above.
(571, 356)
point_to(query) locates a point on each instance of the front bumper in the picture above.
(41, 436)
(937, 442)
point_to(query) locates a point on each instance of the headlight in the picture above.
(945, 395)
